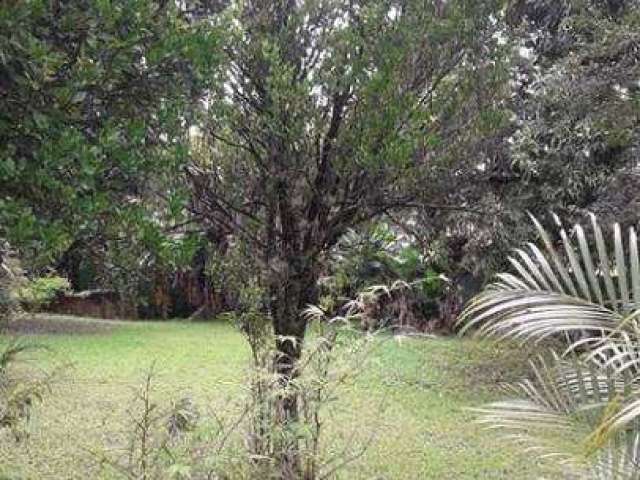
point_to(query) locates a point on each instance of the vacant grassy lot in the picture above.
(412, 399)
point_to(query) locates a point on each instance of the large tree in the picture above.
(93, 97)
(568, 140)
(327, 113)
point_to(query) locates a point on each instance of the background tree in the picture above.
(579, 139)
(93, 99)
(561, 135)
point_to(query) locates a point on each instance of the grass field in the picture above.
(412, 400)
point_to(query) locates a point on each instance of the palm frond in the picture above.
(585, 288)
(550, 293)
(552, 413)
(619, 460)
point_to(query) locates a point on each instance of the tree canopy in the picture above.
(324, 118)
(94, 95)
(145, 137)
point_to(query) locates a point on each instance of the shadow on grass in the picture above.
(40, 324)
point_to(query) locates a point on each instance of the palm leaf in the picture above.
(589, 294)
(548, 294)
(551, 414)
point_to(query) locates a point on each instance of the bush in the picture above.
(33, 294)
(155, 446)
(375, 257)
(283, 442)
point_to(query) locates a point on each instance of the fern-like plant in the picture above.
(582, 404)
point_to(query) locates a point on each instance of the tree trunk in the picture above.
(290, 294)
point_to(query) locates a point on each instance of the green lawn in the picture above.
(412, 401)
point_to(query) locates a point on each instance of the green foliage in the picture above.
(554, 128)
(378, 255)
(580, 132)
(433, 283)
(33, 294)
(94, 96)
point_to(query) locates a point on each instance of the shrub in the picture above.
(154, 438)
(378, 256)
(285, 442)
(36, 293)
(18, 392)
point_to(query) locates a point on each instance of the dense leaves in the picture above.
(568, 139)
(93, 95)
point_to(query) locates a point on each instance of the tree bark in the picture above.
(291, 293)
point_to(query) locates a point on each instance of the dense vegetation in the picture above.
(315, 171)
